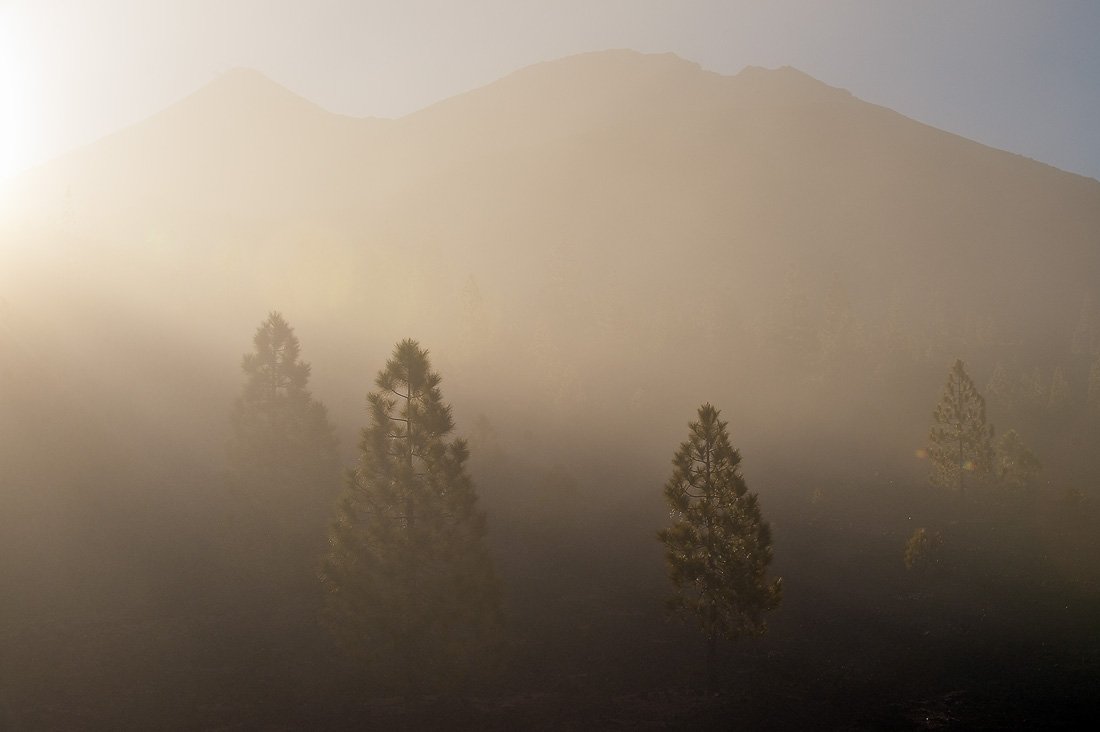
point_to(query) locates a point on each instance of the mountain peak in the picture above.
(618, 65)
(248, 91)
(244, 73)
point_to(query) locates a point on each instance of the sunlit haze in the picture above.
(19, 146)
(549, 365)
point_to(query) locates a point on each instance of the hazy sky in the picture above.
(1023, 76)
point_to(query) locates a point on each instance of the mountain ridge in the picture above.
(248, 93)
(618, 150)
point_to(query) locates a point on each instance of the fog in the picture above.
(589, 250)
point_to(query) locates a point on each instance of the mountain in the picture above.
(240, 147)
(767, 158)
(611, 210)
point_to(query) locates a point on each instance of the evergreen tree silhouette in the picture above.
(409, 583)
(719, 547)
(961, 441)
(283, 451)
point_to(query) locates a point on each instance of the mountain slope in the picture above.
(613, 208)
(773, 157)
(242, 147)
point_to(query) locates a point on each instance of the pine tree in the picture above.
(1001, 391)
(1031, 391)
(923, 550)
(283, 451)
(1016, 466)
(409, 583)
(1059, 390)
(961, 441)
(793, 323)
(1086, 334)
(474, 330)
(719, 547)
(837, 333)
(1093, 397)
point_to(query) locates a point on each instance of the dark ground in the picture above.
(178, 634)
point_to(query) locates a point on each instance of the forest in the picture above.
(585, 400)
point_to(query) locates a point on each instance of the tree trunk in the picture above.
(712, 648)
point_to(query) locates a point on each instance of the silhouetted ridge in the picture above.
(787, 80)
(243, 91)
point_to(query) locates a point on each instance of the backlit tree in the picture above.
(1016, 467)
(409, 583)
(719, 547)
(282, 450)
(1092, 397)
(961, 440)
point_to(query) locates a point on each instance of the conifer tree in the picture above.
(793, 323)
(1031, 390)
(282, 448)
(1086, 334)
(961, 441)
(719, 547)
(474, 325)
(923, 550)
(1059, 390)
(1001, 390)
(1016, 466)
(840, 334)
(1093, 397)
(409, 583)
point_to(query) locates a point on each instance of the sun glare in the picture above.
(16, 131)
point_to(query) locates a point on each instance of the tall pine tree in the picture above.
(719, 547)
(961, 441)
(1059, 390)
(283, 451)
(1092, 397)
(1016, 467)
(409, 583)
